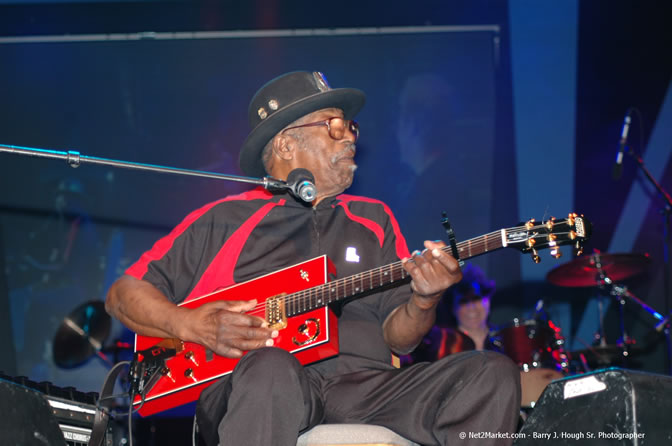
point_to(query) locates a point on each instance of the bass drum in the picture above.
(537, 346)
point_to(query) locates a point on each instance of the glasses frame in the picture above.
(348, 123)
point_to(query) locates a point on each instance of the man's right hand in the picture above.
(224, 328)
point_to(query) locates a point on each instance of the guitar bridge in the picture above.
(276, 316)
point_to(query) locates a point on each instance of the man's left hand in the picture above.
(432, 271)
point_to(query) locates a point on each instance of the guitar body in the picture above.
(310, 336)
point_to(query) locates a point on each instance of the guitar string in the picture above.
(395, 267)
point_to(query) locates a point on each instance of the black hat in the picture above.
(473, 286)
(282, 101)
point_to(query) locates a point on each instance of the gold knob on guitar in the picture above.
(166, 372)
(190, 356)
(190, 374)
(535, 256)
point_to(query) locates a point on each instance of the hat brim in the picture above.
(350, 100)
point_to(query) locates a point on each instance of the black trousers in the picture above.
(270, 398)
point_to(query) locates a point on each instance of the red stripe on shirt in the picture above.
(163, 245)
(369, 224)
(400, 241)
(219, 273)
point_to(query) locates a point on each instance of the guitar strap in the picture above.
(451, 239)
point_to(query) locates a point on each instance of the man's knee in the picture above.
(503, 375)
(266, 364)
(501, 366)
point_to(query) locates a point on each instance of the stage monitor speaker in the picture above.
(606, 407)
(26, 418)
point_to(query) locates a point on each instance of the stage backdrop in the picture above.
(427, 145)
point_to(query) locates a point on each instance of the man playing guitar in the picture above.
(298, 121)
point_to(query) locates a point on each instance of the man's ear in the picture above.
(283, 147)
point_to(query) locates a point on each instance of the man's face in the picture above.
(331, 161)
(474, 313)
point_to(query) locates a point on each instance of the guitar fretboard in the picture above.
(371, 280)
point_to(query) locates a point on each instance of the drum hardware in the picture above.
(603, 271)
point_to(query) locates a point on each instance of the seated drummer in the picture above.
(462, 319)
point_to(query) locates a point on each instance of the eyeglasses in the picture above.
(336, 127)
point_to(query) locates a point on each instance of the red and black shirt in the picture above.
(244, 236)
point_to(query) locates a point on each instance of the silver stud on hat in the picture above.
(321, 81)
(273, 104)
(262, 113)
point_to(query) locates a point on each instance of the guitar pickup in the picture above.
(275, 313)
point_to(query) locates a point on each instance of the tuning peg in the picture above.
(578, 249)
(535, 256)
(555, 252)
(549, 224)
(530, 224)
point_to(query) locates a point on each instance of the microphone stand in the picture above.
(666, 249)
(74, 159)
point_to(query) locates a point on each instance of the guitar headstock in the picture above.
(533, 236)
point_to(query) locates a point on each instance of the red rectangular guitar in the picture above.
(295, 301)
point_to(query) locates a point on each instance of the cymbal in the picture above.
(81, 334)
(583, 271)
(606, 354)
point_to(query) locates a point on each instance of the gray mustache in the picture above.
(348, 152)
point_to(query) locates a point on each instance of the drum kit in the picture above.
(537, 344)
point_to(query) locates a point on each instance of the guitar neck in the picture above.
(377, 278)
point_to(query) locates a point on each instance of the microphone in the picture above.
(301, 184)
(618, 166)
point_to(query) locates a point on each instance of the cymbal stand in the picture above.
(601, 279)
(667, 242)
